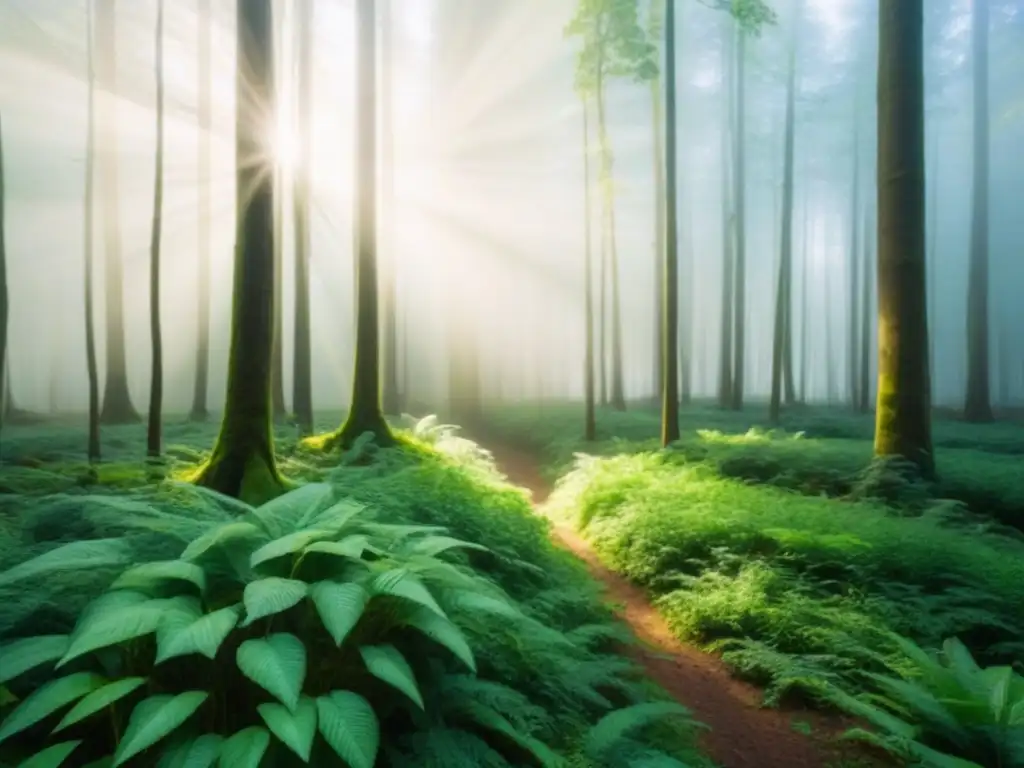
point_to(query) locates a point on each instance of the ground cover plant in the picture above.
(405, 609)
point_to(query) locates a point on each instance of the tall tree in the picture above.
(93, 445)
(670, 288)
(728, 66)
(903, 411)
(589, 418)
(739, 186)
(866, 336)
(204, 18)
(302, 375)
(655, 30)
(977, 405)
(242, 463)
(853, 327)
(156, 385)
(365, 413)
(117, 402)
(783, 298)
(391, 394)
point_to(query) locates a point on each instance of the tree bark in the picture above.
(902, 419)
(156, 384)
(670, 330)
(242, 463)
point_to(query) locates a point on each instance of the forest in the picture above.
(511, 383)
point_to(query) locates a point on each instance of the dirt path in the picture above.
(742, 735)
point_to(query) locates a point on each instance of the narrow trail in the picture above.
(743, 734)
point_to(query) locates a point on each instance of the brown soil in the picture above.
(742, 733)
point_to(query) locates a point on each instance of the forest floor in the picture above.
(742, 732)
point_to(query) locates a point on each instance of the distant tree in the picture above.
(302, 374)
(117, 403)
(93, 445)
(242, 463)
(204, 46)
(365, 413)
(866, 313)
(903, 412)
(727, 147)
(670, 284)
(156, 385)
(977, 405)
(589, 417)
(655, 33)
(853, 326)
(391, 395)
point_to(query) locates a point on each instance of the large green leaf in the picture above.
(276, 663)
(335, 517)
(288, 544)
(47, 699)
(53, 756)
(340, 606)
(618, 724)
(155, 718)
(433, 546)
(388, 664)
(443, 632)
(19, 656)
(349, 725)
(76, 556)
(238, 533)
(98, 699)
(202, 635)
(400, 582)
(245, 749)
(114, 624)
(150, 575)
(295, 729)
(271, 595)
(350, 546)
(198, 752)
(294, 509)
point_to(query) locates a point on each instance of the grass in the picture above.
(770, 547)
(49, 497)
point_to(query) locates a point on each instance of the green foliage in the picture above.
(614, 44)
(371, 630)
(944, 710)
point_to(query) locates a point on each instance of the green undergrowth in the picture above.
(406, 608)
(797, 590)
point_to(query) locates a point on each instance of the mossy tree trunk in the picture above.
(204, 17)
(117, 402)
(903, 411)
(92, 370)
(589, 418)
(243, 464)
(977, 403)
(784, 290)
(670, 282)
(391, 394)
(302, 374)
(156, 384)
(365, 413)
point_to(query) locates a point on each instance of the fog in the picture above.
(486, 224)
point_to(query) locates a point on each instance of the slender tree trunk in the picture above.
(156, 385)
(365, 413)
(392, 400)
(92, 369)
(784, 289)
(739, 190)
(603, 309)
(805, 273)
(670, 330)
(977, 405)
(725, 371)
(933, 251)
(589, 418)
(903, 412)
(204, 17)
(853, 349)
(866, 313)
(242, 463)
(302, 372)
(117, 404)
(656, 23)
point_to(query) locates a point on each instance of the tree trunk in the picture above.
(302, 361)
(739, 190)
(784, 289)
(365, 414)
(4, 296)
(589, 419)
(204, 17)
(93, 444)
(242, 463)
(392, 400)
(603, 309)
(656, 23)
(725, 372)
(903, 413)
(932, 266)
(805, 271)
(280, 408)
(866, 335)
(156, 385)
(117, 403)
(853, 350)
(977, 405)
(670, 330)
